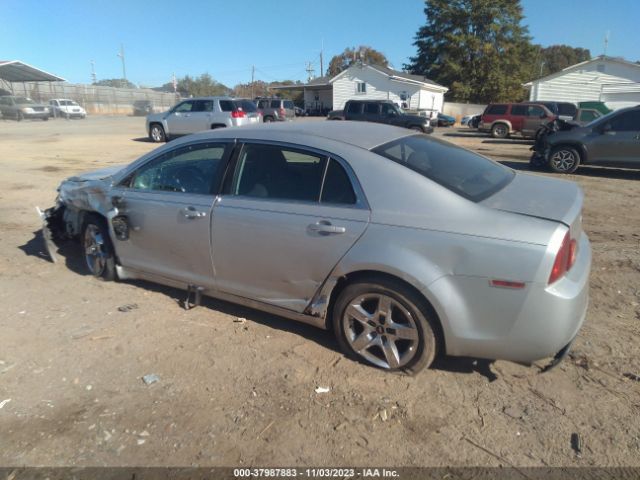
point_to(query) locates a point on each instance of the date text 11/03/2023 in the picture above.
(315, 472)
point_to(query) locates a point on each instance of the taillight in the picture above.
(565, 258)
(237, 114)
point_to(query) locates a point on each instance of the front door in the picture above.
(168, 204)
(178, 120)
(617, 142)
(282, 224)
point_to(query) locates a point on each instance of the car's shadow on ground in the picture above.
(69, 253)
(142, 139)
(583, 171)
(464, 134)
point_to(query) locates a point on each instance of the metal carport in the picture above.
(13, 71)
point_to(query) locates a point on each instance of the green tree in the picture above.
(115, 82)
(477, 48)
(201, 86)
(344, 60)
(558, 57)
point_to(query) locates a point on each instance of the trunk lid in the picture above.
(541, 197)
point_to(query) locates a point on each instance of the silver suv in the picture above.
(198, 114)
(276, 109)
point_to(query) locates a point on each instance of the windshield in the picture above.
(67, 102)
(466, 173)
(24, 100)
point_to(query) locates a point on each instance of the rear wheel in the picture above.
(156, 133)
(98, 251)
(385, 324)
(500, 130)
(268, 119)
(19, 116)
(564, 159)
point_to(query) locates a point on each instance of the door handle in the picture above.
(324, 227)
(191, 213)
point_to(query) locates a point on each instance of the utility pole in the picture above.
(253, 75)
(321, 64)
(121, 55)
(541, 65)
(94, 78)
(606, 43)
(310, 71)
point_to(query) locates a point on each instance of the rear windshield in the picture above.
(466, 173)
(227, 106)
(246, 105)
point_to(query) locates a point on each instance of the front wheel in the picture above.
(417, 128)
(98, 251)
(564, 159)
(157, 134)
(386, 325)
(500, 130)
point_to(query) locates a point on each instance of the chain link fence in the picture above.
(95, 99)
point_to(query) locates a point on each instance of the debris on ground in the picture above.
(576, 443)
(128, 307)
(240, 320)
(322, 389)
(579, 360)
(632, 376)
(150, 378)
(4, 402)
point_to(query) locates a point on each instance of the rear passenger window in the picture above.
(203, 106)
(355, 108)
(275, 103)
(371, 108)
(535, 111)
(496, 110)
(273, 172)
(337, 188)
(226, 105)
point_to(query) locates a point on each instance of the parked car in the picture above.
(299, 112)
(142, 108)
(612, 140)
(197, 114)
(465, 120)
(595, 105)
(404, 245)
(380, 111)
(586, 115)
(474, 121)
(504, 119)
(21, 108)
(562, 110)
(65, 108)
(445, 120)
(276, 109)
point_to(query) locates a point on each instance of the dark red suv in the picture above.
(504, 119)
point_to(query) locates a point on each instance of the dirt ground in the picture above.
(73, 351)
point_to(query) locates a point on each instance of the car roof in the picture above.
(365, 135)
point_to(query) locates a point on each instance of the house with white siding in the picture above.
(363, 81)
(607, 79)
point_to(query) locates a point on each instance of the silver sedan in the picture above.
(406, 246)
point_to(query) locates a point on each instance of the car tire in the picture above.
(19, 116)
(157, 133)
(564, 159)
(45, 119)
(417, 128)
(97, 248)
(500, 130)
(370, 339)
(267, 119)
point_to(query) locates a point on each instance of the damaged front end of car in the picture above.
(541, 148)
(78, 196)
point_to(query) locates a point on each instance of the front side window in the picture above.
(626, 122)
(361, 87)
(536, 111)
(191, 169)
(184, 107)
(588, 115)
(463, 172)
(279, 173)
(519, 110)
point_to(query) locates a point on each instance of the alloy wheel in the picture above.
(94, 250)
(563, 160)
(381, 330)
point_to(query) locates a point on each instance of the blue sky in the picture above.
(225, 38)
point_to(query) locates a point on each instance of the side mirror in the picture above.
(543, 115)
(606, 128)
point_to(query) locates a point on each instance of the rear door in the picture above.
(285, 218)
(167, 202)
(353, 111)
(372, 112)
(201, 116)
(517, 117)
(535, 117)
